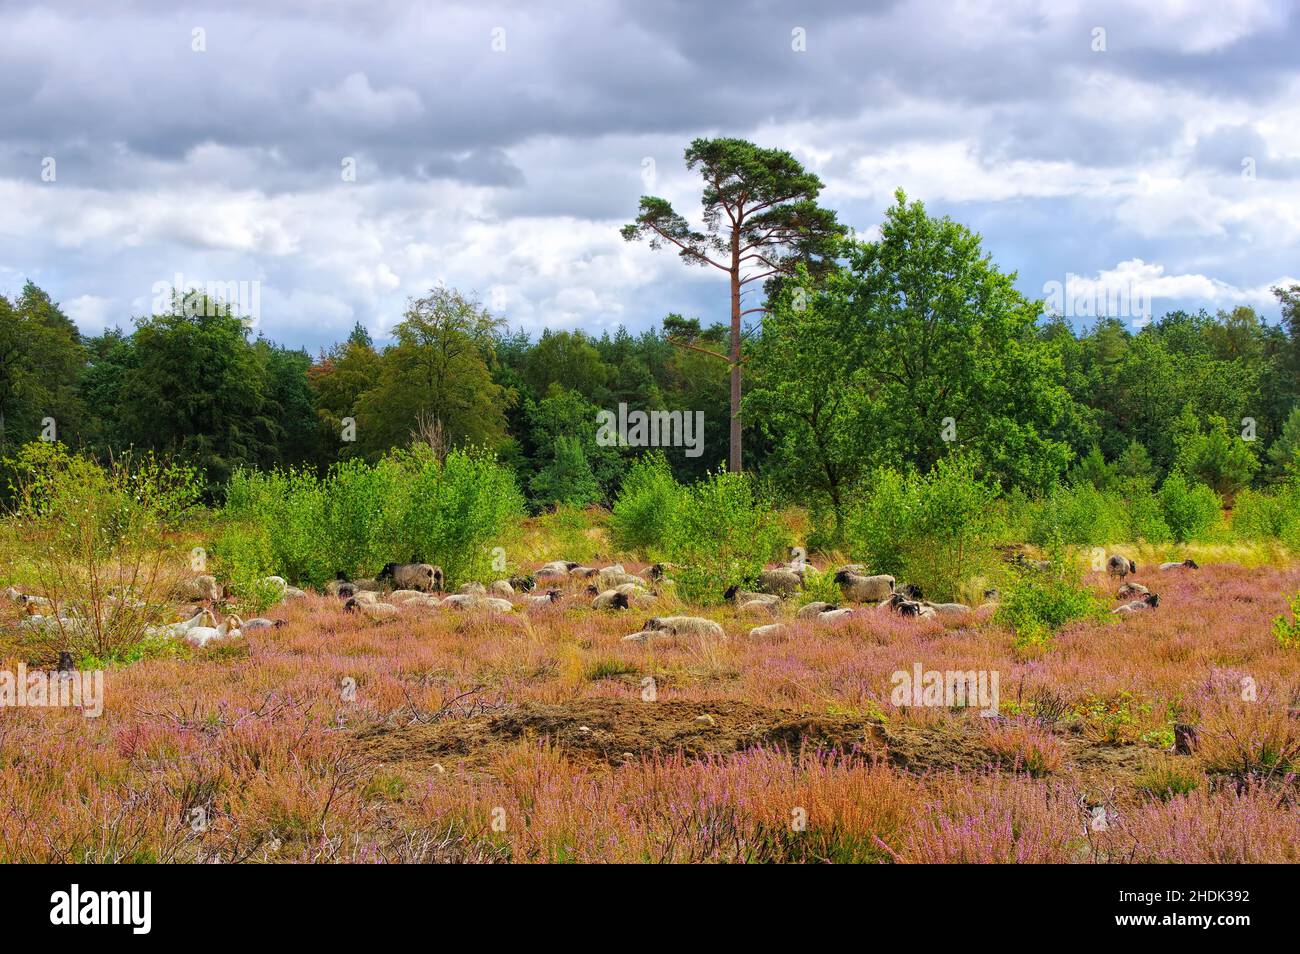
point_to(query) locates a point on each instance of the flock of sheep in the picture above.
(406, 586)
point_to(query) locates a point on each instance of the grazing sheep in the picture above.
(1120, 566)
(364, 596)
(781, 581)
(771, 629)
(864, 589)
(262, 623)
(373, 610)
(760, 607)
(557, 571)
(398, 597)
(524, 584)
(473, 589)
(608, 579)
(610, 600)
(656, 571)
(901, 605)
(197, 589)
(948, 609)
(832, 616)
(684, 626)
(1185, 565)
(549, 598)
(1129, 589)
(735, 594)
(501, 588)
(813, 610)
(642, 636)
(412, 576)
(1147, 601)
(634, 589)
(496, 604)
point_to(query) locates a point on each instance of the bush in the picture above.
(101, 553)
(1037, 604)
(408, 506)
(1080, 515)
(936, 531)
(1286, 630)
(1190, 510)
(646, 504)
(720, 535)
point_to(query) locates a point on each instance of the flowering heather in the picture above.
(455, 736)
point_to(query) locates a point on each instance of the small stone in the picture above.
(437, 767)
(706, 718)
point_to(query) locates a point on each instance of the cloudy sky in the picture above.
(1152, 147)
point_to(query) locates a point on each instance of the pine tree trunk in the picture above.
(735, 465)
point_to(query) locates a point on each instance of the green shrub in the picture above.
(721, 534)
(408, 506)
(1146, 517)
(1286, 630)
(1080, 515)
(819, 588)
(646, 503)
(936, 531)
(98, 535)
(1190, 509)
(1037, 604)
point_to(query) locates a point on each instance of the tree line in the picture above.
(896, 352)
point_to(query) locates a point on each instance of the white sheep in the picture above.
(1146, 602)
(1120, 566)
(864, 589)
(684, 626)
(611, 600)
(814, 609)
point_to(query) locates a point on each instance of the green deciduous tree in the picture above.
(439, 369)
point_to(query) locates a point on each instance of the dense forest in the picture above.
(903, 350)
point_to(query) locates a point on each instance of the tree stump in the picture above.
(1184, 738)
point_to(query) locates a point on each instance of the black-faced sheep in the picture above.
(813, 610)
(1184, 565)
(610, 600)
(549, 598)
(684, 626)
(949, 609)
(374, 610)
(835, 615)
(771, 629)
(412, 576)
(1120, 566)
(864, 589)
(1128, 589)
(735, 594)
(1147, 601)
(781, 581)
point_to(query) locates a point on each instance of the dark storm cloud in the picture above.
(470, 155)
